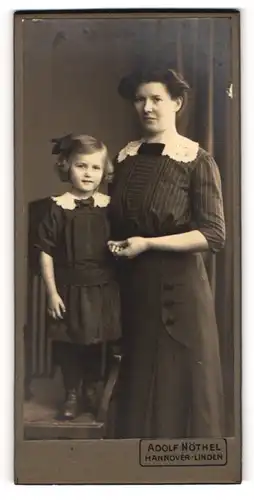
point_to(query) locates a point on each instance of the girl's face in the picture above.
(86, 171)
(155, 108)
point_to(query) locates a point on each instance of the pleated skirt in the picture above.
(92, 314)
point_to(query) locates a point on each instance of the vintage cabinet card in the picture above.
(127, 244)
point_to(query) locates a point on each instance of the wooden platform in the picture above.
(40, 412)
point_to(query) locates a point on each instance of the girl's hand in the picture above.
(56, 307)
(129, 248)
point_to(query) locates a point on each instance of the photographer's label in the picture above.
(176, 452)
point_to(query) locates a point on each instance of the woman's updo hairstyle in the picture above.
(68, 146)
(175, 84)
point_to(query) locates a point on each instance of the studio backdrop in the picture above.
(71, 71)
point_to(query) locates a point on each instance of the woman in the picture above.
(166, 208)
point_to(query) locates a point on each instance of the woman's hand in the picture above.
(129, 248)
(56, 307)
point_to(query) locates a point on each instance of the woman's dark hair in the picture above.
(68, 146)
(173, 81)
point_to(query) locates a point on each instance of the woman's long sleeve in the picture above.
(207, 202)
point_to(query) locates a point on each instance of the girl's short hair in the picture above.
(173, 81)
(70, 145)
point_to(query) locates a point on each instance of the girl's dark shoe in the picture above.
(69, 410)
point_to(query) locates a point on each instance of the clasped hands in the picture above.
(129, 248)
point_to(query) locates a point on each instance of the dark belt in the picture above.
(85, 277)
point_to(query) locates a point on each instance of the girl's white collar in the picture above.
(67, 202)
(181, 149)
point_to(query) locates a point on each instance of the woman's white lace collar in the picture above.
(183, 149)
(67, 202)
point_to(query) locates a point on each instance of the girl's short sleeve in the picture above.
(48, 230)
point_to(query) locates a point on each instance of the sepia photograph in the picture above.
(128, 284)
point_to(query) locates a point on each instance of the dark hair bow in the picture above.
(62, 145)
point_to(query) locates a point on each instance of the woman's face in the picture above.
(156, 109)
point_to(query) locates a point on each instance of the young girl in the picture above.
(83, 297)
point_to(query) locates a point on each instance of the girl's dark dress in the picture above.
(171, 383)
(77, 238)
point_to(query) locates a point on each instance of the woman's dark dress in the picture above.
(84, 273)
(171, 382)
